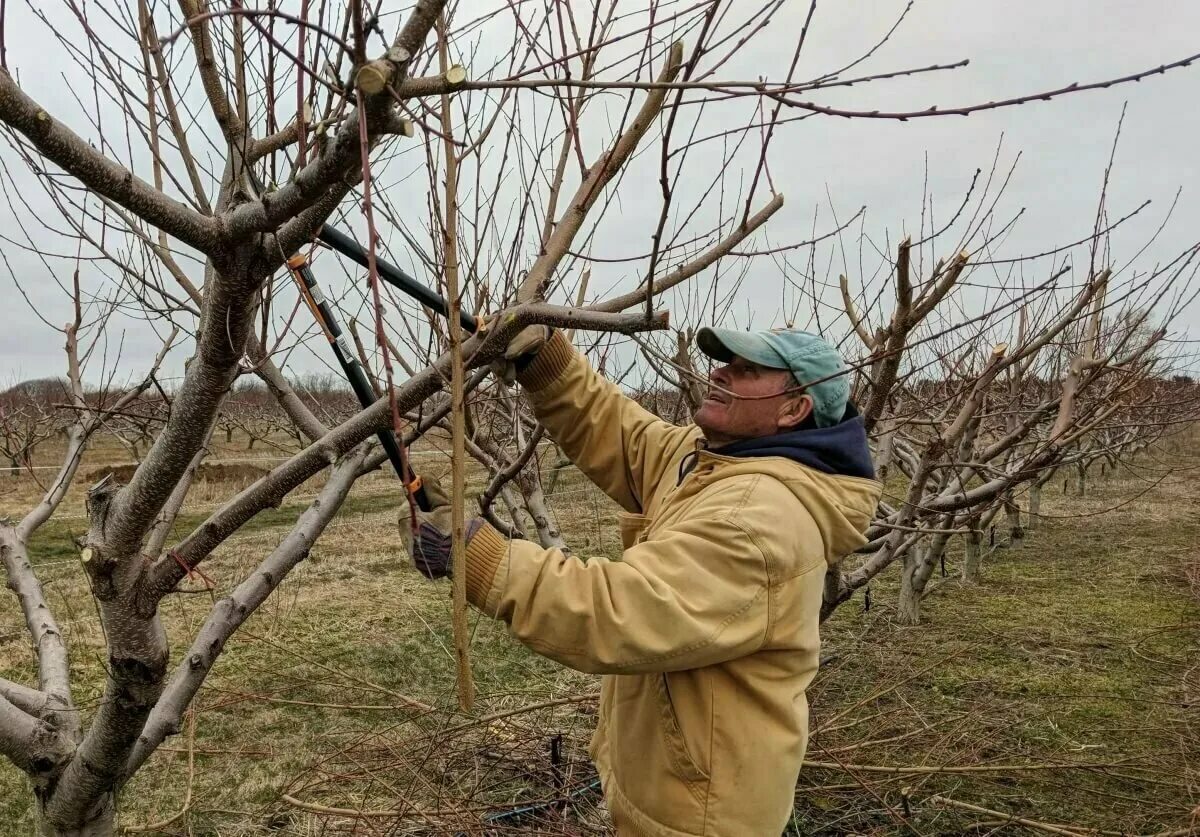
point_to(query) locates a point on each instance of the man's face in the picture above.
(747, 401)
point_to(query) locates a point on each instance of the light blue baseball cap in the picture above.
(809, 358)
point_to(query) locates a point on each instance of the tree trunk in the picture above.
(1035, 506)
(908, 606)
(101, 824)
(883, 460)
(1081, 479)
(1016, 534)
(973, 560)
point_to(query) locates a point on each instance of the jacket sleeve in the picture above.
(621, 447)
(695, 595)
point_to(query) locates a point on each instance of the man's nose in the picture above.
(719, 375)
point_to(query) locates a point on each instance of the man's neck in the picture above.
(715, 439)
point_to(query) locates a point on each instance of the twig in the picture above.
(974, 768)
(215, 13)
(934, 110)
(1050, 828)
(521, 710)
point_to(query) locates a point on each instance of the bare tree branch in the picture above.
(66, 149)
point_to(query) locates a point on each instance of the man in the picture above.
(707, 628)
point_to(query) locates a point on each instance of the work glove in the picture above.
(520, 352)
(430, 546)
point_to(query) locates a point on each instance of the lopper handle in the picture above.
(355, 374)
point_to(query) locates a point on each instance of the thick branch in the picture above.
(73, 154)
(224, 330)
(30, 701)
(936, 292)
(506, 474)
(974, 401)
(29, 743)
(304, 418)
(274, 208)
(53, 669)
(165, 521)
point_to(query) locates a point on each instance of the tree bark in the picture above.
(883, 461)
(1016, 534)
(1035, 506)
(103, 824)
(908, 605)
(973, 560)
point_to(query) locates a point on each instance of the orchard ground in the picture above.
(1061, 695)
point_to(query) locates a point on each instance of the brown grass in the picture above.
(207, 472)
(1069, 677)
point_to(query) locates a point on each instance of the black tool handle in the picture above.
(351, 249)
(358, 378)
(393, 275)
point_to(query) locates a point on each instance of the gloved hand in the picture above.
(430, 546)
(521, 351)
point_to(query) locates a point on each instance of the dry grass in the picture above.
(1079, 650)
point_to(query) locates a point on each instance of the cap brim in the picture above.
(723, 344)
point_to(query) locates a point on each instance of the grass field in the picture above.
(1062, 691)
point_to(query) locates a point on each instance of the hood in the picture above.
(836, 484)
(840, 449)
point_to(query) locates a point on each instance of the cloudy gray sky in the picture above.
(1015, 47)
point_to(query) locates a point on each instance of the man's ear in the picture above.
(794, 411)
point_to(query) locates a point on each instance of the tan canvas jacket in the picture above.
(706, 628)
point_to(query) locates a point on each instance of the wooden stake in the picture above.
(462, 638)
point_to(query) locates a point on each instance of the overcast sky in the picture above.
(1015, 47)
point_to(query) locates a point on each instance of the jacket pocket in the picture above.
(681, 759)
(633, 528)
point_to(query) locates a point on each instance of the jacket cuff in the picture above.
(485, 550)
(548, 364)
